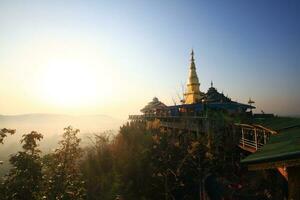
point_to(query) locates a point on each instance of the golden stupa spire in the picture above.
(193, 94)
(193, 78)
(192, 56)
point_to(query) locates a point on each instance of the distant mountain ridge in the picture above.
(46, 115)
(51, 126)
(38, 119)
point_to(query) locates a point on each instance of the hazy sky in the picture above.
(112, 57)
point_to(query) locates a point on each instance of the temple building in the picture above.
(195, 101)
(269, 142)
(154, 107)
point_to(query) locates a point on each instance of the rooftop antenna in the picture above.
(250, 102)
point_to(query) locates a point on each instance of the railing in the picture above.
(183, 122)
(253, 137)
(245, 143)
(183, 126)
(149, 117)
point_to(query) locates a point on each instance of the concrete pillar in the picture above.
(294, 182)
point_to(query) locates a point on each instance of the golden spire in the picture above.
(192, 65)
(193, 94)
(192, 55)
(193, 78)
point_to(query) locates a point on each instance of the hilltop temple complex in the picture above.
(269, 142)
(195, 100)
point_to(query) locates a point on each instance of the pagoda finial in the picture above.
(192, 65)
(211, 84)
(192, 55)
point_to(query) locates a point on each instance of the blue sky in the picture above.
(141, 49)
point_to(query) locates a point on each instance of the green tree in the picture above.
(120, 166)
(180, 164)
(24, 179)
(132, 145)
(99, 169)
(4, 132)
(63, 180)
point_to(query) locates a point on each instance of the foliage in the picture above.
(143, 161)
(180, 165)
(133, 144)
(146, 162)
(63, 180)
(24, 179)
(120, 165)
(4, 132)
(99, 171)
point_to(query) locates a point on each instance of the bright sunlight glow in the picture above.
(67, 83)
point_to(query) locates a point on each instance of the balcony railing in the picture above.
(149, 117)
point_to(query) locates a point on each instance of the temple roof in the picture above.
(232, 105)
(155, 104)
(213, 95)
(283, 146)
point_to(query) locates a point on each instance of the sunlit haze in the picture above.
(112, 57)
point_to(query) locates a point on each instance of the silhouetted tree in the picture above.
(63, 180)
(4, 132)
(24, 179)
(180, 164)
(99, 169)
(120, 166)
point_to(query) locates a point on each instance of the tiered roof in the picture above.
(213, 95)
(282, 149)
(154, 105)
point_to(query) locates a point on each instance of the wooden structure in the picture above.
(253, 137)
(281, 151)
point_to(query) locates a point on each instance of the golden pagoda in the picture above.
(193, 94)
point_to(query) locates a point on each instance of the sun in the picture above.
(68, 83)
